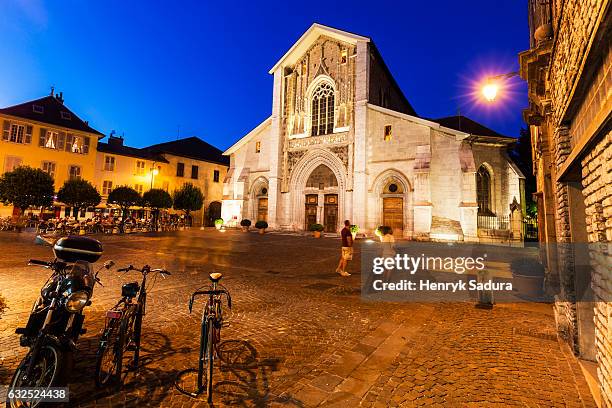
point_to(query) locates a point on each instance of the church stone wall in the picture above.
(445, 176)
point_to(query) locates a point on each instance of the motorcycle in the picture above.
(56, 319)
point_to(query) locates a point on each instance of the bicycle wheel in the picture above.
(107, 358)
(210, 354)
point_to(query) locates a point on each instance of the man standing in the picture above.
(347, 249)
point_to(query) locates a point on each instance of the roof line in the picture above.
(244, 139)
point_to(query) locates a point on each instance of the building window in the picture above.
(139, 188)
(257, 147)
(109, 163)
(51, 139)
(483, 191)
(180, 169)
(17, 133)
(49, 168)
(344, 56)
(107, 187)
(74, 172)
(11, 162)
(387, 133)
(140, 167)
(194, 172)
(38, 109)
(322, 114)
(66, 115)
(216, 176)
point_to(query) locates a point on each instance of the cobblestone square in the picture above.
(311, 339)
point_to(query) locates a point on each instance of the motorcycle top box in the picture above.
(73, 248)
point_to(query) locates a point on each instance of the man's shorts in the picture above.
(347, 253)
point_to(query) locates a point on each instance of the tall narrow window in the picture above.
(194, 172)
(216, 176)
(344, 56)
(483, 191)
(140, 167)
(322, 113)
(49, 167)
(257, 147)
(107, 187)
(74, 172)
(387, 133)
(109, 163)
(180, 169)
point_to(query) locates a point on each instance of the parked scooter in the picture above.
(56, 319)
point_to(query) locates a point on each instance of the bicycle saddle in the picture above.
(216, 276)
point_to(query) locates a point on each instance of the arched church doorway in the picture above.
(262, 205)
(321, 201)
(393, 207)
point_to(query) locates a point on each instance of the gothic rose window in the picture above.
(322, 113)
(483, 191)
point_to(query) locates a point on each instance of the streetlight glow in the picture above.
(489, 91)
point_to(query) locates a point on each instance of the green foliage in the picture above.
(219, 221)
(261, 225)
(124, 196)
(383, 230)
(78, 193)
(245, 223)
(316, 227)
(157, 199)
(188, 198)
(354, 229)
(26, 187)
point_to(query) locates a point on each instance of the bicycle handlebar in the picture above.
(209, 293)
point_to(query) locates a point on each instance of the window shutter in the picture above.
(86, 145)
(68, 140)
(6, 129)
(61, 138)
(43, 136)
(28, 134)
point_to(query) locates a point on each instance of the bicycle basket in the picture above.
(130, 289)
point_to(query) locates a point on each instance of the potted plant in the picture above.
(218, 223)
(316, 230)
(528, 276)
(261, 226)
(382, 230)
(354, 230)
(245, 224)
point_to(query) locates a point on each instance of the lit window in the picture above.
(257, 147)
(344, 56)
(322, 114)
(107, 187)
(194, 172)
(140, 167)
(216, 176)
(11, 162)
(109, 163)
(387, 133)
(74, 172)
(49, 167)
(139, 188)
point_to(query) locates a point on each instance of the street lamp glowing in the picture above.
(155, 172)
(489, 91)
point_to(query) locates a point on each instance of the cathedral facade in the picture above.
(343, 142)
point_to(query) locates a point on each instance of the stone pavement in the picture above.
(308, 338)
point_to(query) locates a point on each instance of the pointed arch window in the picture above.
(322, 113)
(483, 191)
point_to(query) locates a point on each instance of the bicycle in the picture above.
(123, 328)
(210, 334)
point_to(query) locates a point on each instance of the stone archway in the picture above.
(301, 192)
(393, 194)
(258, 207)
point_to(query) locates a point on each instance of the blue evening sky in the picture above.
(152, 69)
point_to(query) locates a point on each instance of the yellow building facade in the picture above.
(45, 134)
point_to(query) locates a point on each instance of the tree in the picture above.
(156, 199)
(25, 187)
(188, 198)
(125, 197)
(522, 155)
(78, 194)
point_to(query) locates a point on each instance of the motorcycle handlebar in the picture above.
(37, 262)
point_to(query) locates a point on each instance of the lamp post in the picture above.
(492, 85)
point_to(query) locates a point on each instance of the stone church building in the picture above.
(343, 142)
